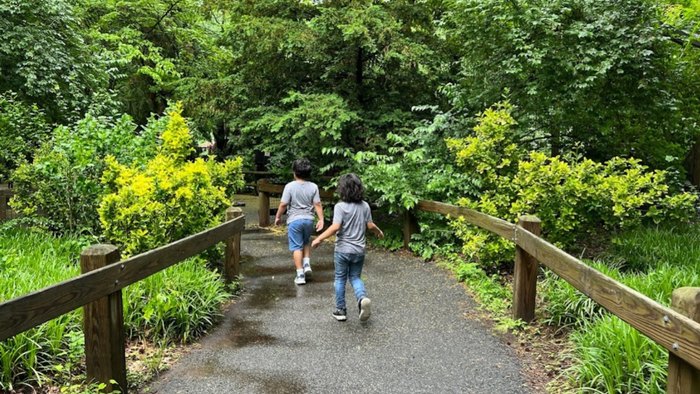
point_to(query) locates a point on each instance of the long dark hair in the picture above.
(350, 188)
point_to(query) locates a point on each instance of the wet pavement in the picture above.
(280, 338)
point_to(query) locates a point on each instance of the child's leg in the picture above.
(297, 256)
(306, 251)
(341, 277)
(295, 235)
(355, 273)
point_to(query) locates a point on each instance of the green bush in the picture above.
(572, 197)
(62, 184)
(168, 198)
(22, 129)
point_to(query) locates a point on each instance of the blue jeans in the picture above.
(348, 266)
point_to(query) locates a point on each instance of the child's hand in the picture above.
(277, 221)
(315, 243)
(380, 234)
(319, 226)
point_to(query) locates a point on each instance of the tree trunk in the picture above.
(221, 140)
(693, 163)
(555, 141)
(359, 76)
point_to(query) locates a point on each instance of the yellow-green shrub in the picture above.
(169, 197)
(572, 197)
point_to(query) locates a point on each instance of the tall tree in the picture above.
(45, 59)
(596, 75)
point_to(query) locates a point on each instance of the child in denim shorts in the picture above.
(301, 198)
(351, 217)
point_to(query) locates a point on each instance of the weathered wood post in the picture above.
(103, 325)
(410, 226)
(525, 276)
(682, 377)
(232, 259)
(263, 205)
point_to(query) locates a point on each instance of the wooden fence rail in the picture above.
(676, 330)
(99, 290)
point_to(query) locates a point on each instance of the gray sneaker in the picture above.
(300, 279)
(307, 270)
(365, 306)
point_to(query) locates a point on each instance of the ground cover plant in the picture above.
(610, 356)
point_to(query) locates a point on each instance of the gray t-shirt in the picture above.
(353, 218)
(300, 198)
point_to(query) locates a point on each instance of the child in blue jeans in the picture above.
(351, 218)
(301, 198)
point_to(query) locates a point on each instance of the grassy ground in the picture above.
(174, 306)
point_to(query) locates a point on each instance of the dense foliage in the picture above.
(583, 112)
(168, 198)
(22, 129)
(62, 184)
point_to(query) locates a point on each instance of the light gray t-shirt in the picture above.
(353, 218)
(300, 198)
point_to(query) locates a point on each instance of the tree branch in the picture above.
(167, 12)
(692, 40)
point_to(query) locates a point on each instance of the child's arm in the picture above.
(329, 232)
(319, 213)
(280, 211)
(376, 230)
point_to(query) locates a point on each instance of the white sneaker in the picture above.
(365, 309)
(300, 279)
(307, 269)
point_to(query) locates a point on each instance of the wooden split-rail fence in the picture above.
(677, 329)
(98, 291)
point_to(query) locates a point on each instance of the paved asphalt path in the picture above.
(280, 338)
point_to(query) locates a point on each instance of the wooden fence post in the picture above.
(263, 206)
(232, 260)
(682, 377)
(525, 276)
(410, 226)
(103, 325)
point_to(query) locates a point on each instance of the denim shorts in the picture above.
(299, 233)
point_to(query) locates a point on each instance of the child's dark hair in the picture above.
(302, 168)
(350, 188)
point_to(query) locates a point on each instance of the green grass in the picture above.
(610, 356)
(176, 305)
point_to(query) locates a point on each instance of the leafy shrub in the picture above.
(22, 129)
(317, 126)
(169, 197)
(62, 183)
(572, 197)
(414, 168)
